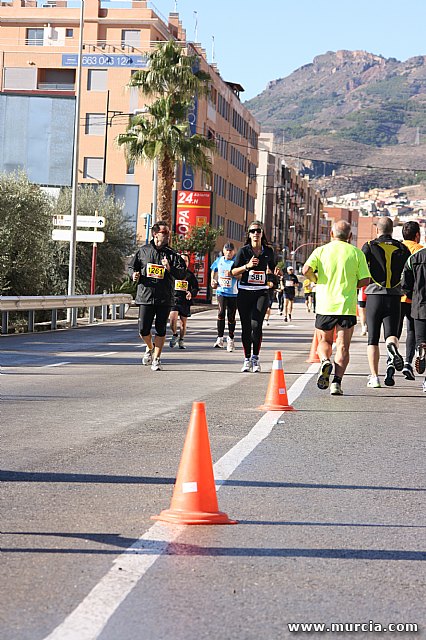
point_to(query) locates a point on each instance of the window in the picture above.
(20, 78)
(35, 37)
(95, 124)
(69, 33)
(97, 80)
(130, 38)
(93, 168)
(130, 169)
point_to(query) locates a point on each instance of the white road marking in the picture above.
(56, 364)
(91, 616)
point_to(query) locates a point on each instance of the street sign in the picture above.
(96, 222)
(82, 236)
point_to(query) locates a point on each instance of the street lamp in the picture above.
(305, 244)
(72, 313)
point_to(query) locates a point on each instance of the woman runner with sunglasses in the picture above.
(253, 262)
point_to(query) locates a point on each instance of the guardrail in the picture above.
(32, 304)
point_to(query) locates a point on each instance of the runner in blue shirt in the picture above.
(226, 287)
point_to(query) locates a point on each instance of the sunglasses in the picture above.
(255, 230)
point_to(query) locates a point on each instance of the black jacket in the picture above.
(151, 290)
(266, 260)
(193, 287)
(386, 258)
(414, 283)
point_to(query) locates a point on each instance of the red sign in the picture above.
(193, 209)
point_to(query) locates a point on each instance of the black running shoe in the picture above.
(323, 379)
(390, 372)
(408, 372)
(420, 358)
(394, 357)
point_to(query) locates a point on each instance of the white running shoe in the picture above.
(173, 341)
(246, 366)
(255, 364)
(363, 329)
(336, 389)
(181, 343)
(147, 357)
(156, 365)
(219, 343)
(230, 345)
(374, 382)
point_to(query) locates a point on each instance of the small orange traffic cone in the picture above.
(313, 355)
(276, 395)
(194, 499)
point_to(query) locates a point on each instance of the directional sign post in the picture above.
(95, 222)
(82, 236)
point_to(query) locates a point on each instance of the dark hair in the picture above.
(157, 225)
(256, 224)
(229, 245)
(410, 230)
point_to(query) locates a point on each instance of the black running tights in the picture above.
(252, 307)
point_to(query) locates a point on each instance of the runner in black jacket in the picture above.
(253, 262)
(155, 267)
(185, 291)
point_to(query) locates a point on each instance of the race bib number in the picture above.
(256, 277)
(155, 271)
(181, 285)
(225, 281)
(289, 283)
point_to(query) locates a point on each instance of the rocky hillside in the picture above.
(348, 110)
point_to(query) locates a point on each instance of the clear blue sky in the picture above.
(256, 42)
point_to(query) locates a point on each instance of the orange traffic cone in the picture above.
(276, 395)
(313, 356)
(194, 498)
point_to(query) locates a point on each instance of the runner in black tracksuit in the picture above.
(155, 266)
(185, 291)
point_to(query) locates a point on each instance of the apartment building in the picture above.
(39, 46)
(288, 205)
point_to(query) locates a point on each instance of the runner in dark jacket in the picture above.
(155, 267)
(185, 291)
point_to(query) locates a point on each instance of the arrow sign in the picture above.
(82, 236)
(96, 222)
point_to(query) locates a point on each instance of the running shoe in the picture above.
(285, 319)
(390, 372)
(408, 372)
(420, 358)
(173, 341)
(267, 323)
(374, 382)
(181, 343)
(156, 365)
(255, 364)
(394, 357)
(147, 357)
(336, 389)
(323, 379)
(289, 317)
(219, 343)
(424, 386)
(230, 345)
(246, 366)
(363, 329)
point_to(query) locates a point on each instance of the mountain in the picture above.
(348, 110)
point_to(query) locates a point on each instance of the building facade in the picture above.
(39, 45)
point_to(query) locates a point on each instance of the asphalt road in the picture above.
(330, 499)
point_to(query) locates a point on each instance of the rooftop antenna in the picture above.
(175, 6)
(212, 48)
(196, 26)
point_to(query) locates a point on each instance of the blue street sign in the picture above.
(104, 60)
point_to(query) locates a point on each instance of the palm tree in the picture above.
(163, 133)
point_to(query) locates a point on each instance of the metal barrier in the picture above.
(32, 304)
